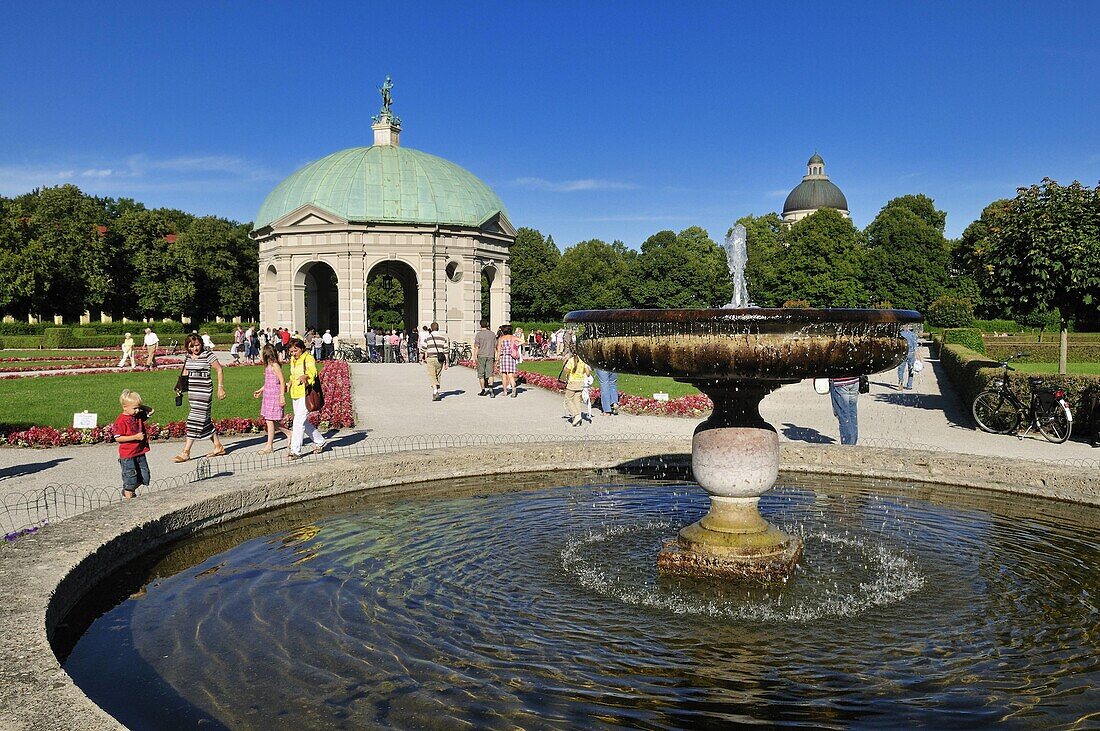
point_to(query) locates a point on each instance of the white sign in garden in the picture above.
(84, 420)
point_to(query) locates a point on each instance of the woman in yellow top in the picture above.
(575, 370)
(303, 370)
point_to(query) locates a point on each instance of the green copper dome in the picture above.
(814, 194)
(385, 183)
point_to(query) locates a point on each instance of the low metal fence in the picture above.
(27, 511)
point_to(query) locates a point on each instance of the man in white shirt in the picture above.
(207, 342)
(326, 345)
(151, 343)
(434, 355)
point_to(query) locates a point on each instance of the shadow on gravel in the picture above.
(806, 434)
(29, 469)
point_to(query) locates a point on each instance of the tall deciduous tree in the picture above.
(765, 238)
(825, 259)
(679, 270)
(1045, 253)
(532, 263)
(907, 253)
(593, 274)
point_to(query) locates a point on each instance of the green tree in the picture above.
(679, 270)
(824, 265)
(593, 274)
(386, 303)
(1044, 254)
(532, 263)
(923, 208)
(970, 258)
(765, 238)
(908, 258)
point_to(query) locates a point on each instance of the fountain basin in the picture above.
(56, 568)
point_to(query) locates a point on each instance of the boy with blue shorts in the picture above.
(133, 442)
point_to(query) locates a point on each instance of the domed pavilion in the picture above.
(383, 211)
(815, 191)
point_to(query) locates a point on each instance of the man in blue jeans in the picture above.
(609, 391)
(910, 358)
(844, 392)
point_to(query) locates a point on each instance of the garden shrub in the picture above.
(950, 311)
(58, 337)
(530, 327)
(22, 342)
(1046, 352)
(966, 336)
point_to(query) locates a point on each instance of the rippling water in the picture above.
(533, 602)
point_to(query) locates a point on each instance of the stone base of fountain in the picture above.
(735, 458)
(763, 557)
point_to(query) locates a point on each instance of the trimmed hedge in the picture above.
(530, 327)
(999, 326)
(118, 327)
(970, 372)
(1044, 353)
(968, 337)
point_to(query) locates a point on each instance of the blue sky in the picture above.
(590, 120)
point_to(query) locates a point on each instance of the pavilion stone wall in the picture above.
(353, 251)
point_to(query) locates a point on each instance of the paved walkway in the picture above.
(394, 400)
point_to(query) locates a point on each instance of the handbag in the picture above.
(181, 384)
(315, 396)
(562, 379)
(918, 365)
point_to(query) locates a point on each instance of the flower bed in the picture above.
(336, 414)
(90, 368)
(696, 405)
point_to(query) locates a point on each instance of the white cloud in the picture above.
(572, 186)
(96, 174)
(778, 193)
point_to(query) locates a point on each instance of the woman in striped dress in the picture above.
(200, 391)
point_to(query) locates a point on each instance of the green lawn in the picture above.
(1084, 369)
(51, 400)
(631, 384)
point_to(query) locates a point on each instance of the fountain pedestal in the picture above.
(735, 458)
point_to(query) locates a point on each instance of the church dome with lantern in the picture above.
(814, 192)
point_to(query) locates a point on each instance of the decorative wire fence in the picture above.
(25, 512)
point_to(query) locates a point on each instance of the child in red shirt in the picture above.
(133, 442)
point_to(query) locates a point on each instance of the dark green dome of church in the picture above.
(814, 192)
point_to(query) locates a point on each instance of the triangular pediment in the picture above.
(308, 215)
(499, 223)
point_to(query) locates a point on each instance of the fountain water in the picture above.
(737, 255)
(738, 355)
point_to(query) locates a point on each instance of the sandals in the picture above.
(219, 452)
(265, 450)
(319, 448)
(182, 457)
(292, 456)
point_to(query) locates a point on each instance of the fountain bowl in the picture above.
(750, 344)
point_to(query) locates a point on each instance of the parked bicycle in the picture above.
(350, 353)
(998, 410)
(460, 351)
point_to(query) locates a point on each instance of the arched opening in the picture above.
(392, 295)
(488, 275)
(321, 298)
(271, 277)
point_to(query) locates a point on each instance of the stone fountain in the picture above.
(737, 355)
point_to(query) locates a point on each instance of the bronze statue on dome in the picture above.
(387, 102)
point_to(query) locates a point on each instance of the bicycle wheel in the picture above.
(1054, 424)
(994, 413)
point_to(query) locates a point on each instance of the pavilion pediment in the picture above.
(308, 215)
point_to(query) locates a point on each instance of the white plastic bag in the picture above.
(918, 365)
(821, 385)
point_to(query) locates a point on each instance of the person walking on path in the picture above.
(910, 358)
(434, 355)
(326, 345)
(508, 358)
(273, 394)
(303, 372)
(127, 351)
(133, 442)
(372, 344)
(151, 342)
(485, 353)
(575, 371)
(200, 391)
(207, 342)
(609, 391)
(844, 393)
